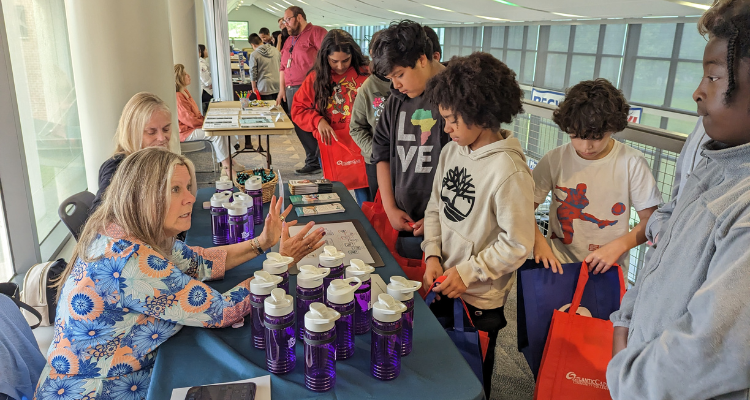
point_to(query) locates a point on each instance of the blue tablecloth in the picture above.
(196, 356)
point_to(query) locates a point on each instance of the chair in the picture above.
(74, 211)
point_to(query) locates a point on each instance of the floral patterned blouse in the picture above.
(114, 312)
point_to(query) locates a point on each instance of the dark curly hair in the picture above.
(592, 109)
(730, 20)
(400, 45)
(335, 40)
(480, 88)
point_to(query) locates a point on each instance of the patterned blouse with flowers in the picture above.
(114, 312)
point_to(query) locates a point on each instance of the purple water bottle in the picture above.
(280, 335)
(340, 297)
(333, 259)
(362, 271)
(219, 219)
(240, 224)
(276, 264)
(403, 290)
(309, 290)
(254, 189)
(260, 288)
(224, 184)
(320, 347)
(385, 346)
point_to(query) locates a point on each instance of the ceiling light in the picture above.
(403, 13)
(352, 24)
(437, 8)
(491, 18)
(616, 18)
(272, 11)
(507, 3)
(280, 6)
(662, 16)
(568, 15)
(691, 4)
(303, 2)
(287, 2)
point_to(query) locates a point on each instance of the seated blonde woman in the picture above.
(131, 285)
(191, 122)
(145, 122)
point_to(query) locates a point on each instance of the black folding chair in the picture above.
(74, 211)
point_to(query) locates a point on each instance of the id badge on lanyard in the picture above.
(289, 61)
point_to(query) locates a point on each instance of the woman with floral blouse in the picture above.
(132, 286)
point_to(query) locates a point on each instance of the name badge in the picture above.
(289, 63)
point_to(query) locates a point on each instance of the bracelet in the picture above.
(256, 244)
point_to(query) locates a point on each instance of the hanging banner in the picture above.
(555, 98)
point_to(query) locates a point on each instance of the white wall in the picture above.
(257, 18)
(200, 22)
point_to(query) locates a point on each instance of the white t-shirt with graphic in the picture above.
(591, 199)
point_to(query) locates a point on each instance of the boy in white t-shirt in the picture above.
(594, 181)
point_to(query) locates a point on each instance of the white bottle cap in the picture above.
(254, 183)
(320, 318)
(340, 291)
(310, 276)
(239, 196)
(263, 283)
(218, 199)
(402, 289)
(387, 309)
(236, 208)
(224, 183)
(278, 304)
(330, 257)
(359, 269)
(276, 264)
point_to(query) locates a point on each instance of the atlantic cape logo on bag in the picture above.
(595, 383)
(345, 163)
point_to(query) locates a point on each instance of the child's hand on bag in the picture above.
(432, 271)
(603, 258)
(543, 253)
(453, 286)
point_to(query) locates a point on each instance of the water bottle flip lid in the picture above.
(331, 257)
(254, 183)
(387, 309)
(275, 263)
(239, 196)
(237, 208)
(402, 289)
(359, 269)
(340, 291)
(320, 318)
(310, 276)
(218, 199)
(263, 283)
(224, 183)
(278, 304)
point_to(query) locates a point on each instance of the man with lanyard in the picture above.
(297, 57)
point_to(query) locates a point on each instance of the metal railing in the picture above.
(538, 134)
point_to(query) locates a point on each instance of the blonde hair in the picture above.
(142, 192)
(135, 115)
(179, 77)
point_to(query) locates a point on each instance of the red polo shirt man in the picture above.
(297, 57)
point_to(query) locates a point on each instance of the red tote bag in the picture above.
(578, 349)
(342, 161)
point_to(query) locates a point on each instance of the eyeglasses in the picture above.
(286, 20)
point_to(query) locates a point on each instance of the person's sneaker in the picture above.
(309, 169)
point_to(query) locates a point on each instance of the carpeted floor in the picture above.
(512, 379)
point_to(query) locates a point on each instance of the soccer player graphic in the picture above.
(571, 208)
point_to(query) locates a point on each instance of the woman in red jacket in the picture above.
(323, 106)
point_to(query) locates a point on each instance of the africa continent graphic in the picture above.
(423, 119)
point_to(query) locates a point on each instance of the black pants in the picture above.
(372, 179)
(205, 99)
(490, 321)
(271, 96)
(309, 143)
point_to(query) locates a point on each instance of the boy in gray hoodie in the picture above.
(479, 222)
(264, 68)
(683, 331)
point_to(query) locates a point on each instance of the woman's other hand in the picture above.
(272, 229)
(301, 244)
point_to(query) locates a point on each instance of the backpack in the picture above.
(10, 289)
(38, 292)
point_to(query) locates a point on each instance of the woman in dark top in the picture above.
(145, 122)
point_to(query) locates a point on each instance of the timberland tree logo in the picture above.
(457, 194)
(594, 383)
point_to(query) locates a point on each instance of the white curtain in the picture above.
(217, 38)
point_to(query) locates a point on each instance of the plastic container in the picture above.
(333, 259)
(254, 189)
(219, 218)
(320, 347)
(279, 333)
(340, 297)
(403, 290)
(362, 317)
(240, 224)
(260, 288)
(385, 344)
(309, 290)
(276, 264)
(224, 184)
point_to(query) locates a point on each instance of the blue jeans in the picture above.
(362, 195)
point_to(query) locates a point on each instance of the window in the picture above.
(6, 265)
(47, 107)
(239, 30)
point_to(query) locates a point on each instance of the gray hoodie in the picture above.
(264, 68)
(689, 312)
(480, 218)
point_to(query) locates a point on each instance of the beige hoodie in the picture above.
(480, 217)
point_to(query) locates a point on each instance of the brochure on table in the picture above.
(262, 388)
(221, 121)
(223, 111)
(349, 237)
